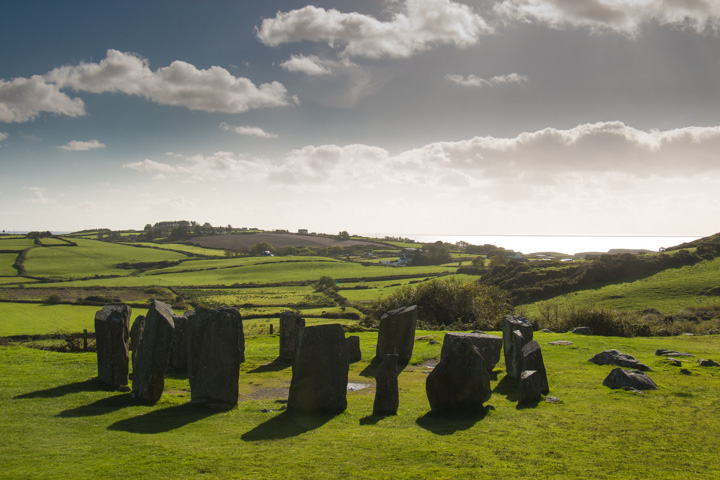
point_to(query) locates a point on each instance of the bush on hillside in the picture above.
(443, 302)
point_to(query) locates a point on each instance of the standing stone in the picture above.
(530, 388)
(460, 381)
(488, 345)
(387, 398)
(178, 351)
(512, 343)
(135, 336)
(352, 344)
(532, 359)
(112, 325)
(153, 353)
(397, 333)
(291, 328)
(320, 371)
(216, 348)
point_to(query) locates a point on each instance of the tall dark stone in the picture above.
(216, 348)
(352, 344)
(397, 333)
(488, 345)
(387, 398)
(320, 371)
(136, 332)
(178, 351)
(291, 328)
(530, 387)
(112, 325)
(153, 353)
(460, 381)
(532, 359)
(512, 344)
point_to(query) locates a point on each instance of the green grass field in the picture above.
(17, 244)
(90, 258)
(6, 264)
(57, 422)
(181, 247)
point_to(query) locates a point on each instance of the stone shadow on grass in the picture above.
(449, 423)
(508, 387)
(373, 419)
(100, 407)
(164, 420)
(533, 404)
(176, 374)
(286, 425)
(91, 385)
(274, 366)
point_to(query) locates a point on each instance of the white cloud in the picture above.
(610, 154)
(475, 81)
(247, 131)
(308, 64)
(180, 83)
(23, 99)
(3, 136)
(39, 197)
(417, 26)
(80, 146)
(623, 16)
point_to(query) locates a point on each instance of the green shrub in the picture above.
(450, 301)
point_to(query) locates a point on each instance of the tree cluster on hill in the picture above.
(432, 254)
(180, 229)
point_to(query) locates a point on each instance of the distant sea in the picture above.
(569, 244)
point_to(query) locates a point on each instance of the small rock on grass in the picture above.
(672, 353)
(561, 342)
(708, 363)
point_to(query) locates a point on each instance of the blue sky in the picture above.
(395, 116)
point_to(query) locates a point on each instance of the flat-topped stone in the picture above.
(488, 345)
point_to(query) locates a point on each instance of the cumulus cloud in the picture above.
(417, 26)
(3, 136)
(475, 81)
(623, 16)
(309, 65)
(180, 84)
(542, 160)
(247, 131)
(23, 99)
(80, 146)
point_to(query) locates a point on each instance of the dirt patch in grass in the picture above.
(277, 240)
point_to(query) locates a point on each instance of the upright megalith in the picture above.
(216, 348)
(352, 344)
(397, 333)
(530, 387)
(291, 328)
(320, 371)
(488, 345)
(387, 397)
(532, 359)
(178, 350)
(460, 381)
(153, 353)
(112, 326)
(513, 343)
(136, 332)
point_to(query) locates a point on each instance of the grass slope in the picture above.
(57, 422)
(90, 258)
(667, 291)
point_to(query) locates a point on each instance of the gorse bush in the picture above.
(444, 302)
(648, 322)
